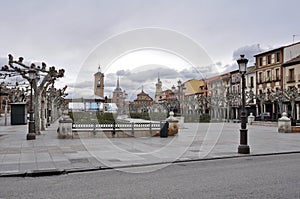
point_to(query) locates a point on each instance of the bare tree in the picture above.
(292, 94)
(39, 84)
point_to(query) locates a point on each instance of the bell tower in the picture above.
(99, 83)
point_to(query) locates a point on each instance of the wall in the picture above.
(291, 52)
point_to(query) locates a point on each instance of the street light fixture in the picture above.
(243, 147)
(31, 127)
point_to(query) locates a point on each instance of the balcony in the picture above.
(267, 79)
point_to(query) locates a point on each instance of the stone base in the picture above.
(244, 149)
(30, 136)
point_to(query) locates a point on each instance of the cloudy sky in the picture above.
(80, 35)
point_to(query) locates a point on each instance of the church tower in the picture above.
(118, 96)
(158, 91)
(99, 83)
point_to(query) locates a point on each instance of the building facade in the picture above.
(142, 103)
(291, 83)
(268, 78)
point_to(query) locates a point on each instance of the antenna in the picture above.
(294, 38)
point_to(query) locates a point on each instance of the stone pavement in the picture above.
(50, 155)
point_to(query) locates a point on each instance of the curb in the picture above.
(53, 172)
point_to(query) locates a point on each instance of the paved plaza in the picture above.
(48, 154)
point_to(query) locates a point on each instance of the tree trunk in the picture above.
(280, 107)
(37, 108)
(52, 111)
(293, 108)
(43, 101)
(261, 109)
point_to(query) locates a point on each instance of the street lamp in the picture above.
(243, 147)
(31, 126)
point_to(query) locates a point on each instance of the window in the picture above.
(259, 77)
(269, 59)
(277, 74)
(251, 82)
(291, 75)
(268, 76)
(278, 57)
(260, 61)
(98, 83)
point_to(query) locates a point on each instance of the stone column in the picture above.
(284, 124)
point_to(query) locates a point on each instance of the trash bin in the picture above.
(164, 130)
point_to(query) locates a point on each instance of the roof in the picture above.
(293, 61)
(142, 93)
(193, 86)
(250, 69)
(275, 49)
(98, 74)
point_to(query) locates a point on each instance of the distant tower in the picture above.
(118, 96)
(99, 83)
(158, 91)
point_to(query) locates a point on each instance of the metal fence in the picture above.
(115, 126)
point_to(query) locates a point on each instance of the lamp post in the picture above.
(31, 126)
(243, 147)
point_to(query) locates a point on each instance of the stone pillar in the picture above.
(250, 119)
(284, 124)
(65, 126)
(173, 124)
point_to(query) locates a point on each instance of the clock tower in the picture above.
(99, 83)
